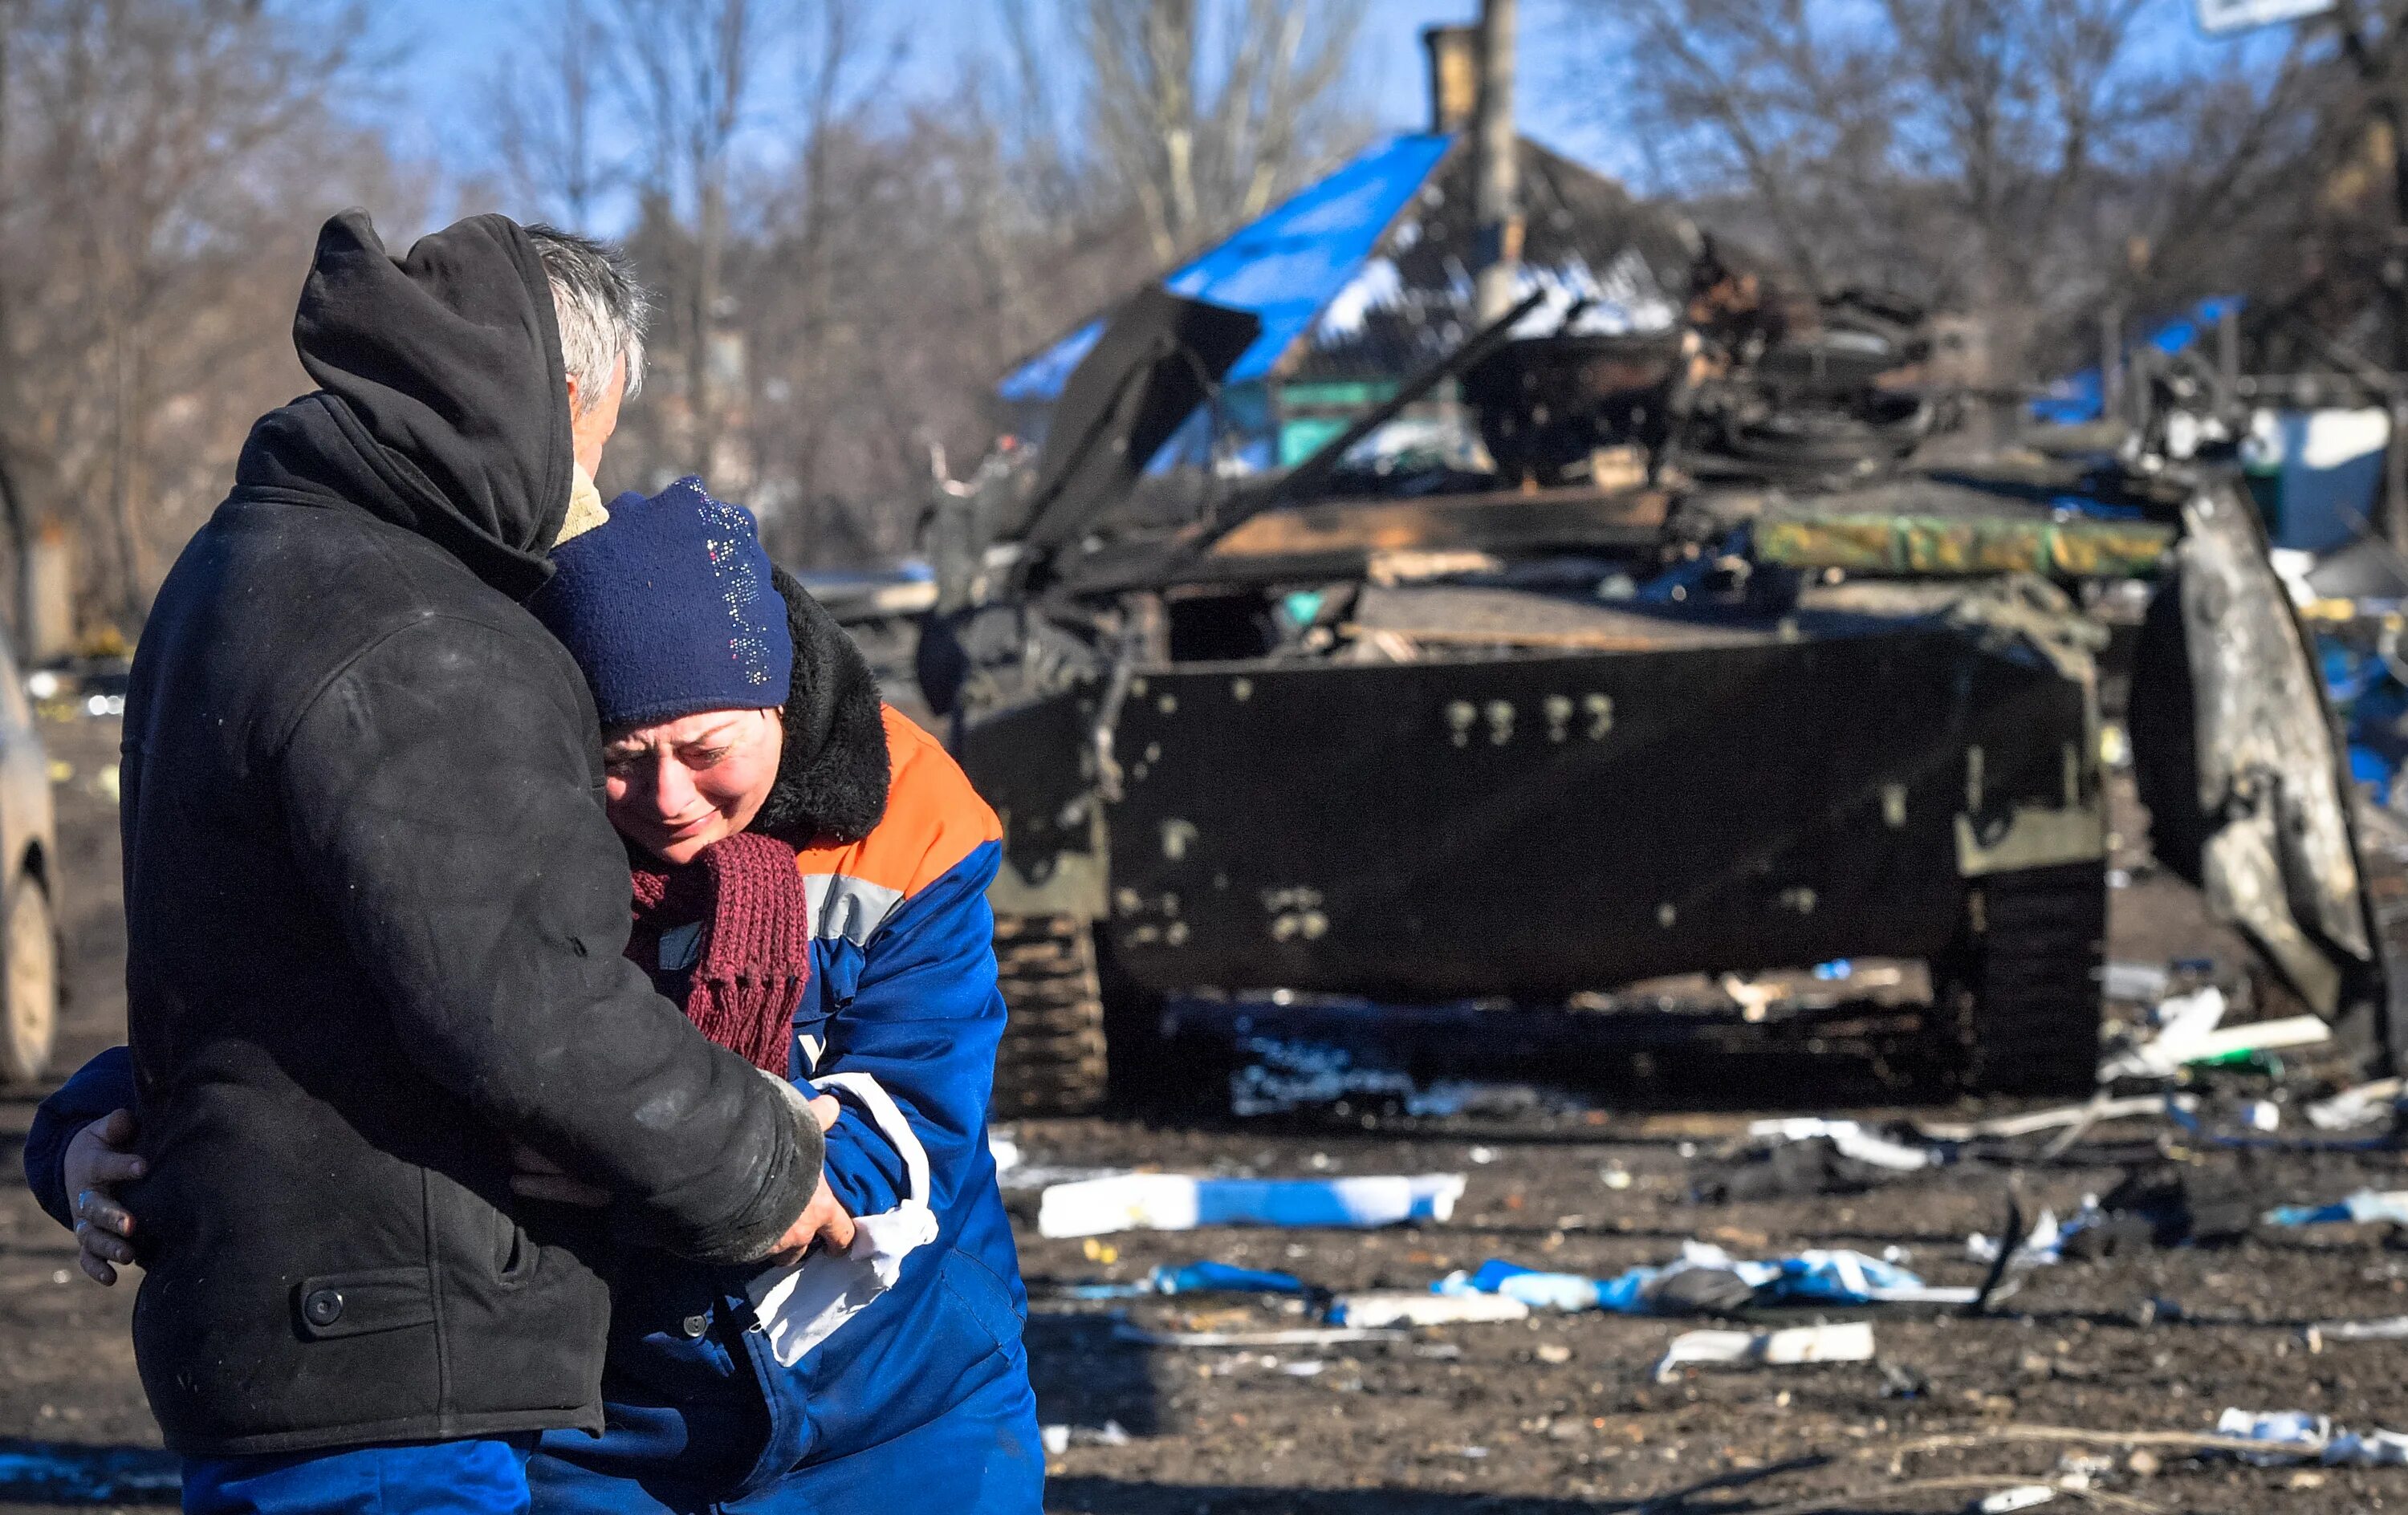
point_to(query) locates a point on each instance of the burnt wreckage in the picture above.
(1739, 660)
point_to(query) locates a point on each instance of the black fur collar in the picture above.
(831, 780)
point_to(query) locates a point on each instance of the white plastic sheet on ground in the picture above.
(1848, 1342)
(1183, 1202)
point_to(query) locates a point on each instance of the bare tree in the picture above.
(2022, 161)
(1205, 138)
(842, 277)
(165, 163)
(690, 70)
(547, 107)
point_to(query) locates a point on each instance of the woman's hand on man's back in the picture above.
(100, 1156)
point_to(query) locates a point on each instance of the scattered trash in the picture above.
(1812, 1166)
(2295, 1435)
(2164, 1207)
(2049, 1119)
(1301, 1336)
(2263, 1115)
(2022, 1496)
(1850, 1137)
(2190, 1033)
(1374, 1311)
(2363, 1207)
(2040, 1245)
(2185, 1116)
(2234, 1043)
(1222, 1277)
(1615, 1177)
(1705, 1280)
(1061, 1438)
(1850, 1341)
(1195, 1278)
(2184, 1024)
(1309, 1368)
(2357, 1107)
(2390, 1328)
(1181, 1202)
(2134, 984)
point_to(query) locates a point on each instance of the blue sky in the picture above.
(446, 48)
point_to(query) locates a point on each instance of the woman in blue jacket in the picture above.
(891, 1370)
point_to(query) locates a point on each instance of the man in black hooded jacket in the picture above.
(376, 913)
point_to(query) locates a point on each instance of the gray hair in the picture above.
(601, 309)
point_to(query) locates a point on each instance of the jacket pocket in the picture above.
(925, 1349)
(334, 1305)
(982, 1296)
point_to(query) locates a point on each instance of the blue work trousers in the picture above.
(451, 1478)
(981, 1457)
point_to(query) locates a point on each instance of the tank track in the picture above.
(2026, 982)
(1052, 1061)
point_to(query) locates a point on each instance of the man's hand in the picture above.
(824, 1219)
(99, 1155)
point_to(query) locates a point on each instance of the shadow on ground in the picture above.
(1085, 1376)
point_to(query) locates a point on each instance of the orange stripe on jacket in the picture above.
(934, 819)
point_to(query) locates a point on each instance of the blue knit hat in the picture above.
(669, 608)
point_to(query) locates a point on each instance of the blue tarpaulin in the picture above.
(1284, 266)
(2082, 396)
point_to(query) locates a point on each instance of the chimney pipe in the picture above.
(1454, 75)
(1497, 193)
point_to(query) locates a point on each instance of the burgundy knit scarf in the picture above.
(755, 946)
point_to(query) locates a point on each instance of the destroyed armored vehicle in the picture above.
(1735, 660)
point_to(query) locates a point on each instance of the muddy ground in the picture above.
(1555, 1414)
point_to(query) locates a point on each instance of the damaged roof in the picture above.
(1368, 271)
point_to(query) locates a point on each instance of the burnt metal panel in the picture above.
(1158, 361)
(1535, 826)
(1036, 765)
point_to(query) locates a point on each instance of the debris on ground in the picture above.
(2365, 1206)
(1396, 1308)
(1181, 1202)
(2164, 1207)
(1848, 1341)
(1197, 1278)
(2297, 1435)
(2392, 1328)
(1849, 1138)
(1706, 1280)
(2360, 1106)
(1059, 1438)
(2022, 1496)
(1302, 1336)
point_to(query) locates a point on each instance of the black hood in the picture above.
(442, 405)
